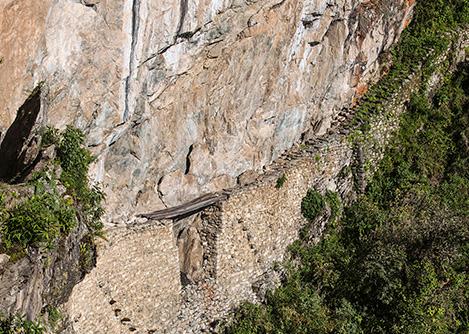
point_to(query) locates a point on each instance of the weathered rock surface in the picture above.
(43, 278)
(180, 98)
(190, 251)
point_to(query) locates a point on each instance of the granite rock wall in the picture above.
(179, 98)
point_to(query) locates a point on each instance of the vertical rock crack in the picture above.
(133, 44)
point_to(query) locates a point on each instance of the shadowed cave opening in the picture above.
(19, 151)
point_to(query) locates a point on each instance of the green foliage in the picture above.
(75, 160)
(19, 325)
(54, 316)
(281, 181)
(285, 313)
(38, 221)
(3, 210)
(312, 204)
(398, 260)
(333, 201)
(428, 36)
(50, 136)
(87, 256)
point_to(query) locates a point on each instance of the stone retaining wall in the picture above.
(135, 283)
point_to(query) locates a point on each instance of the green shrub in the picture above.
(75, 159)
(333, 201)
(50, 136)
(3, 210)
(38, 221)
(294, 310)
(19, 325)
(281, 181)
(312, 204)
(54, 316)
(348, 319)
(87, 254)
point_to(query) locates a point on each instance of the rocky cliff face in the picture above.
(181, 98)
(31, 284)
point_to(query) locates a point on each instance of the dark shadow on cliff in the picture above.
(19, 150)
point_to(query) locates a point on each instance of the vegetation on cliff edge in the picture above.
(53, 200)
(56, 200)
(19, 325)
(434, 25)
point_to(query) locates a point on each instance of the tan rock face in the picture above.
(180, 98)
(22, 25)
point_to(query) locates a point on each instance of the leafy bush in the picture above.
(312, 204)
(54, 316)
(3, 210)
(75, 159)
(38, 221)
(19, 325)
(87, 254)
(333, 201)
(50, 136)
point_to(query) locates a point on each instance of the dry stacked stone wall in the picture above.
(135, 284)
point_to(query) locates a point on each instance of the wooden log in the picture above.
(186, 209)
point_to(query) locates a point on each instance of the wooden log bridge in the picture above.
(187, 209)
